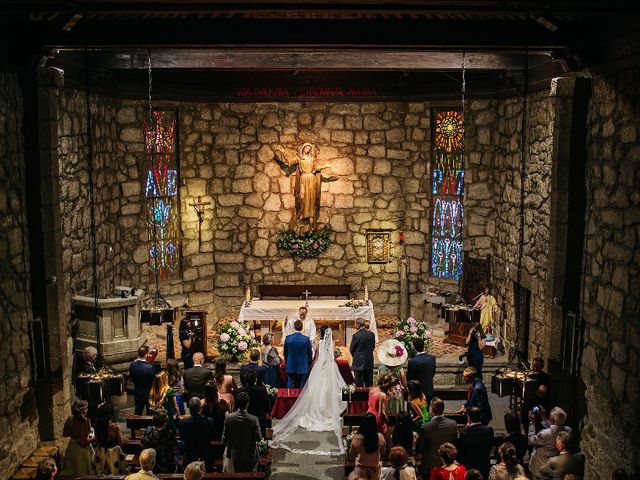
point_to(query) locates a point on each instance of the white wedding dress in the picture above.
(317, 409)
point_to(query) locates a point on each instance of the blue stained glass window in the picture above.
(447, 189)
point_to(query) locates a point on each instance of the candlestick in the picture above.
(247, 295)
(366, 294)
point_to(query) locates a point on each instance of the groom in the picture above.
(298, 355)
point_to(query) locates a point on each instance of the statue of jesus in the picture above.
(308, 186)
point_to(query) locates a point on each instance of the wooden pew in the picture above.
(172, 476)
(137, 423)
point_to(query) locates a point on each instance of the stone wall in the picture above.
(506, 141)
(18, 415)
(611, 355)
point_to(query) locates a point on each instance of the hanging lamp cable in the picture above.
(92, 206)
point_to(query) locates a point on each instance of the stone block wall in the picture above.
(506, 141)
(611, 356)
(18, 415)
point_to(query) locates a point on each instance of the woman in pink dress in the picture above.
(225, 383)
(378, 397)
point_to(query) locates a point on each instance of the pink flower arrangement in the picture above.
(413, 329)
(235, 339)
(411, 321)
(224, 337)
(399, 333)
(235, 324)
(399, 351)
(409, 330)
(242, 346)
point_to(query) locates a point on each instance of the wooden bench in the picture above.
(361, 394)
(137, 423)
(297, 291)
(168, 476)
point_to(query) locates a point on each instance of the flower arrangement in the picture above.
(309, 245)
(235, 339)
(347, 441)
(263, 447)
(353, 303)
(272, 391)
(348, 390)
(408, 330)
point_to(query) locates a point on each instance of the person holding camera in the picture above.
(475, 342)
(187, 342)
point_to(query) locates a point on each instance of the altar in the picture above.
(269, 312)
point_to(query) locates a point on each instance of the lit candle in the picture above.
(366, 294)
(247, 295)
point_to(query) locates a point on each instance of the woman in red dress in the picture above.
(378, 397)
(451, 470)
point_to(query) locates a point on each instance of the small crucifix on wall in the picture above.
(199, 207)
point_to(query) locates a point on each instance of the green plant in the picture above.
(309, 245)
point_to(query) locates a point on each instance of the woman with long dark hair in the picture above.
(404, 434)
(214, 408)
(108, 457)
(508, 468)
(475, 342)
(368, 447)
(225, 383)
(174, 374)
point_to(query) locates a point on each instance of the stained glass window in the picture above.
(448, 190)
(161, 192)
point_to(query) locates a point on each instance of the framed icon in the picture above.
(378, 246)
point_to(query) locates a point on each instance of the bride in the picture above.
(317, 409)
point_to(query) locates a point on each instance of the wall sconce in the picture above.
(199, 207)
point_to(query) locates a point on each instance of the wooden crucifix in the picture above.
(199, 207)
(306, 297)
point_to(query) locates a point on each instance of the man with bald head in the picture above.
(147, 462)
(196, 377)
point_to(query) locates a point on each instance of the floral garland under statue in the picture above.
(308, 245)
(406, 331)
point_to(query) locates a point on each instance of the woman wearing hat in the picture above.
(392, 355)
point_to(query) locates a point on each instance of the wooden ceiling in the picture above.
(407, 47)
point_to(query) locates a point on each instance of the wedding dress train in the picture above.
(317, 409)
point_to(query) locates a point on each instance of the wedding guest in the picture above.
(363, 343)
(475, 443)
(474, 474)
(225, 383)
(163, 396)
(450, 470)
(422, 368)
(109, 458)
(259, 401)
(565, 462)
(163, 440)
(89, 362)
(367, 447)
(404, 434)
(399, 470)
(147, 464)
(270, 360)
(142, 374)
(508, 468)
(241, 432)
(194, 471)
(79, 455)
(187, 342)
(254, 356)
(545, 440)
(432, 434)
(515, 435)
(213, 407)
(378, 397)
(196, 432)
(477, 395)
(47, 469)
(419, 408)
(174, 372)
(196, 377)
(392, 355)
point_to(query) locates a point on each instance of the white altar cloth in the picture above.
(271, 310)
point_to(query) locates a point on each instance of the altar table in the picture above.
(319, 310)
(288, 396)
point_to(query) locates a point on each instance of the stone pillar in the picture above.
(55, 394)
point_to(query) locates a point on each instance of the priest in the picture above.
(308, 326)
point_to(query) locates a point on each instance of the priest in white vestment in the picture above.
(308, 326)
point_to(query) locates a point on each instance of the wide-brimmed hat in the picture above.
(392, 353)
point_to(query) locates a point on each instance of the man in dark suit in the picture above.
(475, 443)
(254, 356)
(477, 395)
(362, 345)
(422, 368)
(142, 374)
(241, 432)
(565, 462)
(196, 377)
(298, 355)
(259, 401)
(197, 432)
(432, 434)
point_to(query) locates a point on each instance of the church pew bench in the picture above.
(361, 394)
(137, 423)
(168, 476)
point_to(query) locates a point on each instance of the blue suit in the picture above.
(422, 368)
(142, 375)
(298, 356)
(480, 399)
